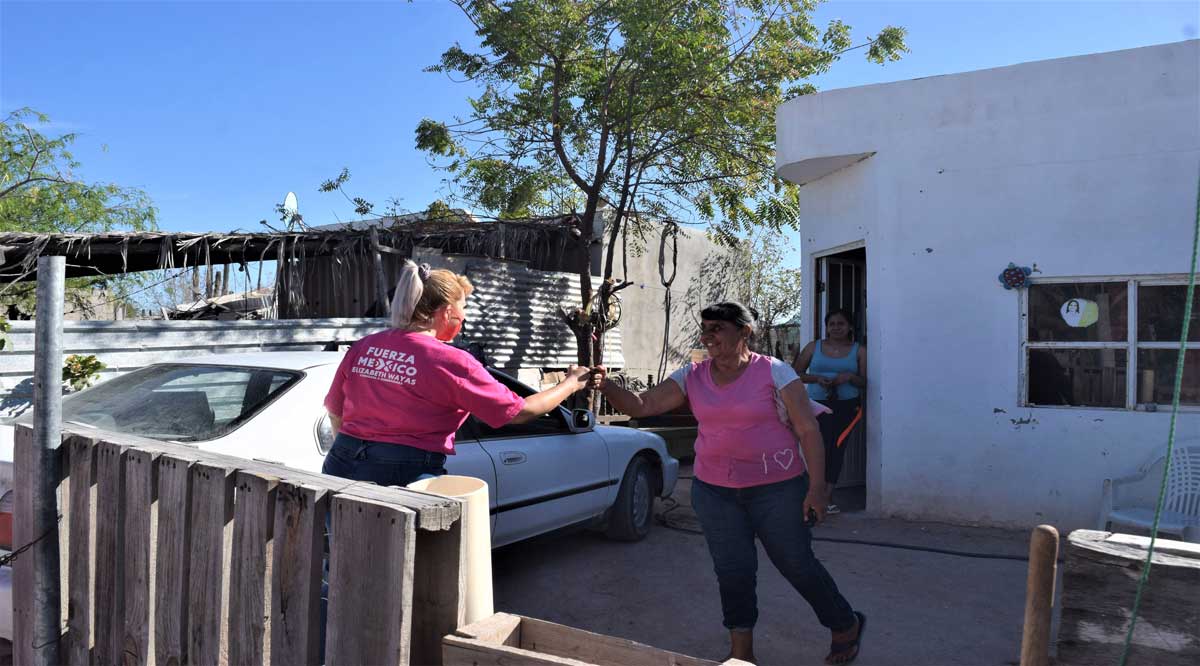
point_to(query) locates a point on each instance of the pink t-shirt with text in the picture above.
(407, 388)
(744, 438)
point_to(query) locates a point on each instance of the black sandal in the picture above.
(841, 648)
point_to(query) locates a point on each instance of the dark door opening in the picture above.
(842, 284)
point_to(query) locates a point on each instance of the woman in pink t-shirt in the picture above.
(400, 395)
(751, 479)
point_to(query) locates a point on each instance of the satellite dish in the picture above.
(290, 205)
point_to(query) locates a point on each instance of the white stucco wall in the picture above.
(703, 275)
(1086, 166)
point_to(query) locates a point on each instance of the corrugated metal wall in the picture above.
(128, 345)
(513, 314)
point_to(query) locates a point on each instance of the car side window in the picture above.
(179, 401)
(553, 423)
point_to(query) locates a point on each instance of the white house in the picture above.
(988, 405)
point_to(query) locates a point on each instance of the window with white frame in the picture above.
(1110, 342)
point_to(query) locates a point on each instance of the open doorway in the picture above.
(842, 284)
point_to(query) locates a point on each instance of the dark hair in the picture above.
(730, 311)
(846, 314)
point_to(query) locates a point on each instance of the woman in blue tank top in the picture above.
(834, 371)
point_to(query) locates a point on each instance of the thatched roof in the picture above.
(539, 241)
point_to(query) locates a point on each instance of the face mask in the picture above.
(452, 327)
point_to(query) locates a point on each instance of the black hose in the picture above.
(662, 519)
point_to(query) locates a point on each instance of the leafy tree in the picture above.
(41, 192)
(766, 282)
(657, 108)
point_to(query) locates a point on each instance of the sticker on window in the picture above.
(1080, 312)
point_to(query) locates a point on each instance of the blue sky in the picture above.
(217, 109)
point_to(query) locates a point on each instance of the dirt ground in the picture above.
(923, 608)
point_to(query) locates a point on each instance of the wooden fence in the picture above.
(173, 555)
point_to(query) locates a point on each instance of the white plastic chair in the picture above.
(1130, 500)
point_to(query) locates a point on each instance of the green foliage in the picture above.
(337, 184)
(439, 211)
(40, 192)
(764, 280)
(80, 372)
(659, 108)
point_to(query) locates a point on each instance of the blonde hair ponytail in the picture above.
(421, 291)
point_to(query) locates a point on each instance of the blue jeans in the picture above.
(733, 517)
(379, 462)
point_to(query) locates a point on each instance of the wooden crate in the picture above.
(505, 639)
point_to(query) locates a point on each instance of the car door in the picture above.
(546, 475)
(470, 459)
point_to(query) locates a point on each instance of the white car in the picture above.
(555, 471)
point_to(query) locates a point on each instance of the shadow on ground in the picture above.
(923, 608)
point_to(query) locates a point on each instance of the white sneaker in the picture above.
(832, 508)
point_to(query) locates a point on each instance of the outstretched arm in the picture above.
(662, 398)
(541, 403)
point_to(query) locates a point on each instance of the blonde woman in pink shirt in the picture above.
(751, 479)
(400, 395)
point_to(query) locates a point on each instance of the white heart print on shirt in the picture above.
(785, 454)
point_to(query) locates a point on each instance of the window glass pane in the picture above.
(1156, 376)
(1079, 377)
(1160, 314)
(178, 402)
(1082, 312)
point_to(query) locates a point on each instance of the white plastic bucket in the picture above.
(476, 530)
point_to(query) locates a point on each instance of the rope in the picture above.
(680, 526)
(671, 229)
(1162, 489)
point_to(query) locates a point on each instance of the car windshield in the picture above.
(178, 402)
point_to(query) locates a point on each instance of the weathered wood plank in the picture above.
(172, 560)
(435, 512)
(211, 508)
(370, 616)
(598, 649)
(82, 465)
(139, 497)
(109, 592)
(253, 518)
(512, 639)
(497, 628)
(296, 562)
(1100, 581)
(457, 651)
(25, 463)
(439, 591)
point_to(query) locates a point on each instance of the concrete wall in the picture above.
(703, 275)
(1086, 166)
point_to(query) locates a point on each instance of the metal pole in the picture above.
(47, 436)
(1039, 596)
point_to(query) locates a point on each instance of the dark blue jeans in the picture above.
(733, 517)
(381, 463)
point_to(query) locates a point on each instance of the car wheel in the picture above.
(629, 519)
